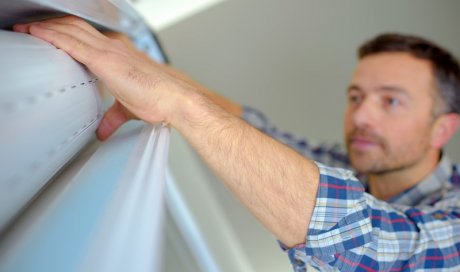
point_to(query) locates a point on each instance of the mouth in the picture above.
(361, 143)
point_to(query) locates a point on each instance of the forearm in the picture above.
(274, 182)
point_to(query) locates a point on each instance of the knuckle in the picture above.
(82, 24)
(74, 48)
(117, 44)
(73, 19)
(115, 35)
(76, 22)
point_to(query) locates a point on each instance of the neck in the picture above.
(387, 185)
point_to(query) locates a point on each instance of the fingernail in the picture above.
(18, 27)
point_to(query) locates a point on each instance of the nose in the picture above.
(365, 114)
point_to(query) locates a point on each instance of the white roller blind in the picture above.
(49, 110)
(105, 214)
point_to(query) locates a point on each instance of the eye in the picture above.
(354, 98)
(392, 101)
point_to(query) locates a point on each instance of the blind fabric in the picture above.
(134, 215)
(49, 109)
(103, 213)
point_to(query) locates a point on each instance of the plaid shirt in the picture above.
(350, 230)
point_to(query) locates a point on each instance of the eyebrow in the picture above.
(384, 88)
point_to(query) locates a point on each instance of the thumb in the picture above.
(115, 116)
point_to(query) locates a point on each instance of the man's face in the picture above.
(388, 119)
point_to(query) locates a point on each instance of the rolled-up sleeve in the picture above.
(340, 219)
(352, 231)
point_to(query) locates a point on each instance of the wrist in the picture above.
(185, 108)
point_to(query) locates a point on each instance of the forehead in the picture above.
(395, 69)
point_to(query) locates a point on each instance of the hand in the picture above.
(142, 87)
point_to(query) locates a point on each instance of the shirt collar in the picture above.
(437, 181)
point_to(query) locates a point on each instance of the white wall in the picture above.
(293, 59)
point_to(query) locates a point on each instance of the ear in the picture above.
(444, 128)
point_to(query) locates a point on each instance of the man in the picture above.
(403, 107)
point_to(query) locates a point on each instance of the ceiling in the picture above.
(161, 14)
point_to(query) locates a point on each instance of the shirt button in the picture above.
(299, 262)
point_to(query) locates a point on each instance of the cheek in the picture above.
(347, 122)
(408, 134)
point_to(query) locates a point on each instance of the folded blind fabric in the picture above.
(49, 110)
(103, 213)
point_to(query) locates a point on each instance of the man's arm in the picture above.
(274, 182)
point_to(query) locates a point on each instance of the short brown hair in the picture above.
(446, 68)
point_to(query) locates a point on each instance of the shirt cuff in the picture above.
(340, 219)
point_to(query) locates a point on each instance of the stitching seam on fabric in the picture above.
(31, 100)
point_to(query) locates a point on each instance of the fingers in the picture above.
(66, 20)
(71, 34)
(97, 41)
(75, 27)
(77, 48)
(23, 28)
(116, 116)
(79, 39)
(75, 21)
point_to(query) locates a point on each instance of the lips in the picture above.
(363, 143)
